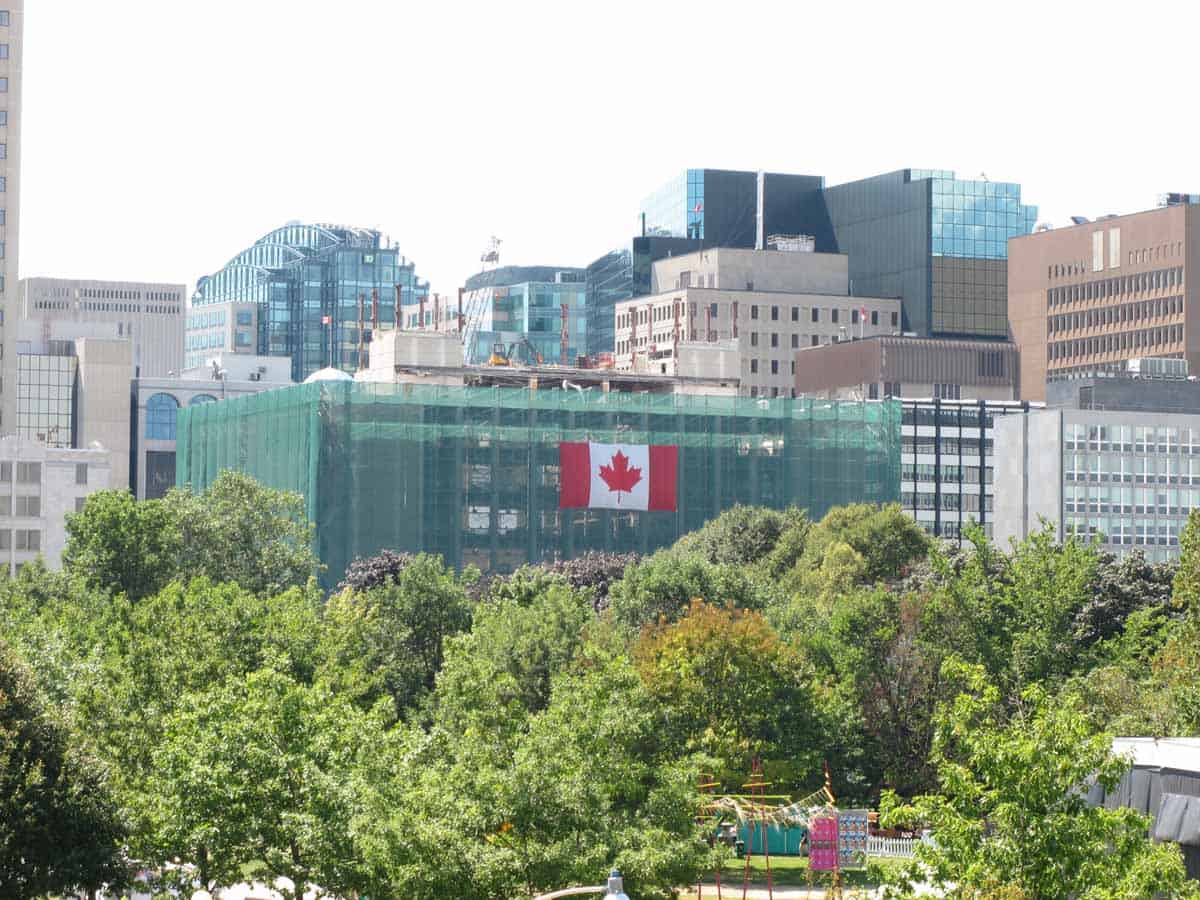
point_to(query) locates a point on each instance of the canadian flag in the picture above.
(618, 476)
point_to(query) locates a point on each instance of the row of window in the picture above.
(22, 506)
(666, 313)
(774, 368)
(1114, 467)
(1154, 340)
(928, 500)
(1114, 315)
(1121, 286)
(918, 444)
(928, 473)
(1132, 438)
(20, 539)
(161, 412)
(1138, 257)
(27, 472)
(1128, 500)
(1133, 532)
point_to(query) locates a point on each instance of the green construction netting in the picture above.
(472, 473)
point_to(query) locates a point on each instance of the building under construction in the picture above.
(472, 473)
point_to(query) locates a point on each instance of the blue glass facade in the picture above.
(306, 281)
(530, 312)
(975, 219)
(938, 243)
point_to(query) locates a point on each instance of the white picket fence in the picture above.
(895, 848)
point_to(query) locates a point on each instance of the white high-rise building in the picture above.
(12, 15)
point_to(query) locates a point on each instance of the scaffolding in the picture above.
(472, 473)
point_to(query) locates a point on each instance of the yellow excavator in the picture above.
(503, 356)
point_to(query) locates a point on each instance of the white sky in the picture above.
(163, 136)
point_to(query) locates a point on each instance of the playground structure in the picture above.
(838, 839)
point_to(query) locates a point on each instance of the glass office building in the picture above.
(314, 287)
(46, 398)
(724, 208)
(473, 473)
(937, 242)
(527, 320)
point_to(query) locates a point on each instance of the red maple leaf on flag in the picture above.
(620, 476)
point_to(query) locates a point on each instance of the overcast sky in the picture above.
(163, 136)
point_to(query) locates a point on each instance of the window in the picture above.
(754, 367)
(28, 506)
(242, 339)
(30, 539)
(3, 85)
(754, 339)
(3, 51)
(895, 319)
(3, 117)
(5, 539)
(754, 311)
(161, 410)
(816, 314)
(874, 317)
(774, 367)
(79, 501)
(246, 317)
(833, 315)
(202, 398)
(795, 314)
(4, 17)
(891, 389)
(29, 473)
(774, 340)
(854, 317)
(81, 473)
(774, 313)
(795, 341)
(816, 341)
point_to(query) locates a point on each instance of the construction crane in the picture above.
(491, 254)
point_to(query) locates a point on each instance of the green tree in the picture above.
(663, 585)
(389, 640)
(239, 530)
(122, 546)
(482, 809)
(1011, 819)
(724, 684)
(1186, 593)
(887, 540)
(517, 645)
(742, 535)
(60, 830)
(250, 780)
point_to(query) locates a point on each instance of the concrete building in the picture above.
(12, 53)
(771, 303)
(433, 358)
(149, 315)
(1129, 476)
(948, 462)
(105, 370)
(897, 366)
(39, 486)
(1087, 298)
(155, 404)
